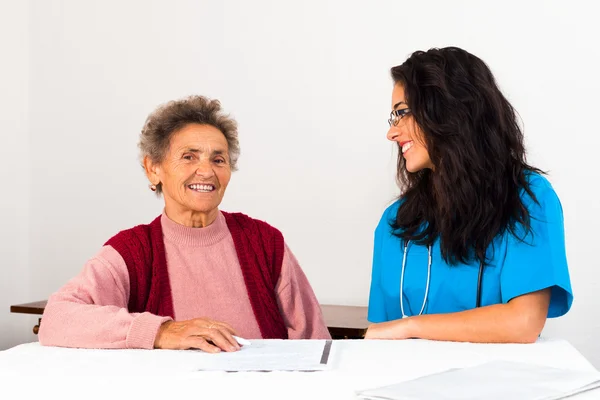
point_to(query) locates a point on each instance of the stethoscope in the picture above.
(479, 279)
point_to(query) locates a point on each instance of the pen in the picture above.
(242, 341)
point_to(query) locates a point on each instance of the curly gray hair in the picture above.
(168, 118)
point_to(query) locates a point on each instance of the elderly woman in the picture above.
(195, 276)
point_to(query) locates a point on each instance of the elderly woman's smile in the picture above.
(202, 188)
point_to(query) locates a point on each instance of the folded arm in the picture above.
(521, 320)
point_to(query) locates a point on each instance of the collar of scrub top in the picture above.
(402, 279)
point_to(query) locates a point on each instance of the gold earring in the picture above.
(152, 187)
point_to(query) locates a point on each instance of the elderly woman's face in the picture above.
(196, 170)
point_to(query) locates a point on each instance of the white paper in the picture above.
(272, 355)
(496, 380)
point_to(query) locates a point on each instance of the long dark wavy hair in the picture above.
(476, 146)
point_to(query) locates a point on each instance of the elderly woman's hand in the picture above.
(198, 333)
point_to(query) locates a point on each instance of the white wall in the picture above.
(14, 174)
(309, 84)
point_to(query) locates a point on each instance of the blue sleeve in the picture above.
(377, 310)
(539, 261)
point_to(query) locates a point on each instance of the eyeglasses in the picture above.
(397, 115)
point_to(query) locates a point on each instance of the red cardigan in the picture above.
(259, 248)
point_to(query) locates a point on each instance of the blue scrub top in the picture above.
(516, 267)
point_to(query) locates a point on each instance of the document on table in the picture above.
(272, 355)
(496, 380)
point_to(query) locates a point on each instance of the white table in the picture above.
(46, 372)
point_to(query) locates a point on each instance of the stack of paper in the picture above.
(496, 380)
(271, 355)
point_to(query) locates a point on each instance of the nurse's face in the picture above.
(409, 136)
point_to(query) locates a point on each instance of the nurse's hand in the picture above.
(397, 329)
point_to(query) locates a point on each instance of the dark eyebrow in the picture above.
(398, 103)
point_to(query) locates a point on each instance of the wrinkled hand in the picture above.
(397, 329)
(198, 333)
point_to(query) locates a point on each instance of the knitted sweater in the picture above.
(91, 310)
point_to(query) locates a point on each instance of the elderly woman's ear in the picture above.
(152, 171)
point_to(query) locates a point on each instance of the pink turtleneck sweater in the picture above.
(206, 280)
